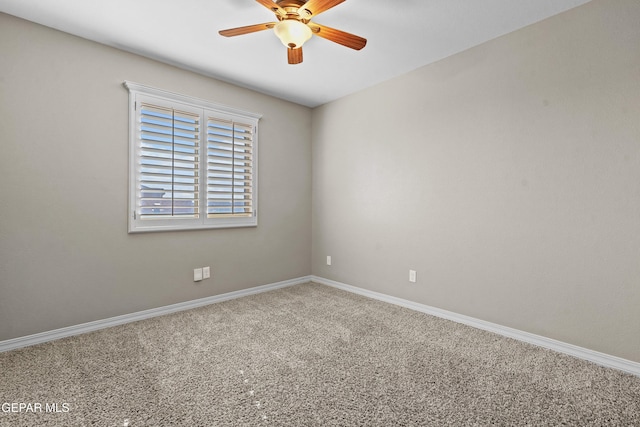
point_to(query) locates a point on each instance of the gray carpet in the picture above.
(307, 355)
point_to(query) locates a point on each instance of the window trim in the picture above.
(136, 225)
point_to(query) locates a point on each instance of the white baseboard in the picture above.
(601, 359)
(42, 337)
(559, 346)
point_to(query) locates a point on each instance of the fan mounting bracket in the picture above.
(291, 3)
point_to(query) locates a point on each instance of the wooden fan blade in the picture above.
(273, 7)
(337, 36)
(316, 7)
(294, 55)
(246, 30)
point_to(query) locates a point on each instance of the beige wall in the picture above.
(65, 255)
(508, 176)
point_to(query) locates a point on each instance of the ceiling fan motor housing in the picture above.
(292, 7)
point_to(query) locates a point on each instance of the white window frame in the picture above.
(136, 222)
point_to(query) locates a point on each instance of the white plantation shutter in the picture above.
(168, 184)
(192, 162)
(229, 168)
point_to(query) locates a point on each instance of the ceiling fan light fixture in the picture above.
(292, 33)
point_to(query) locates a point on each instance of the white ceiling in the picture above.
(402, 35)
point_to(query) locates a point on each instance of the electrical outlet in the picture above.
(197, 274)
(328, 259)
(412, 276)
(206, 272)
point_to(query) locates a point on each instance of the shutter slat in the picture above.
(157, 170)
(245, 192)
(227, 161)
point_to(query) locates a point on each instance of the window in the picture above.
(193, 163)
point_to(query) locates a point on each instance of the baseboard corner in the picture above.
(593, 356)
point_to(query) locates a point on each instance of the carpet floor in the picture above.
(306, 355)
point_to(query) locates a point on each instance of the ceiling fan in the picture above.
(294, 26)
